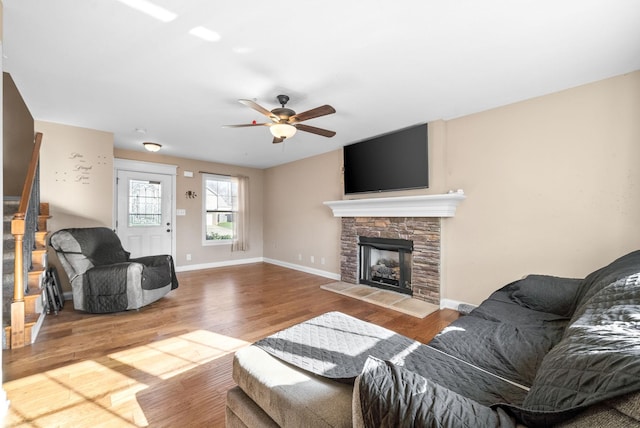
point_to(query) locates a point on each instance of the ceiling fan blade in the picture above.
(310, 114)
(277, 140)
(314, 130)
(257, 107)
(244, 125)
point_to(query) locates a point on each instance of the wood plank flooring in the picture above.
(169, 364)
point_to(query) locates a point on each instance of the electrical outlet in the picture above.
(188, 257)
(322, 260)
(313, 259)
(300, 257)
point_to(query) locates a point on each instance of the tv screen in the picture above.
(394, 161)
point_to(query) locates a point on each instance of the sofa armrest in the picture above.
(291, 396)
(159, 270)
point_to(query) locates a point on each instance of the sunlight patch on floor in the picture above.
(102, 392)
(170, 357)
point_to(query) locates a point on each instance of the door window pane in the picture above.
(145, 203)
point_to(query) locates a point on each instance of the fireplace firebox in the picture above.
(386, 263)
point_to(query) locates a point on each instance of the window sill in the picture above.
(217, 243)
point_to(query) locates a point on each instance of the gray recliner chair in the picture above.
(102, 275)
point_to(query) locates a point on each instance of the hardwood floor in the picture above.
(169, 364)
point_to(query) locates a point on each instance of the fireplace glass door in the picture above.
(386, 263)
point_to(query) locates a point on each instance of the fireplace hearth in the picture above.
(386, 263)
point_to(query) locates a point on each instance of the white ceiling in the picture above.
(383, 65)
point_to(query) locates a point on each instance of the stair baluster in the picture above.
(24, 226)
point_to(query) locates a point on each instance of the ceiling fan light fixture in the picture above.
(152, 147)
(282, 130)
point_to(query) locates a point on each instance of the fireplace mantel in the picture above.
(401, 206)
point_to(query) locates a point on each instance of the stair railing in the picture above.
(24, 226)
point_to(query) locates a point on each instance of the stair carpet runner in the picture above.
(33, 301)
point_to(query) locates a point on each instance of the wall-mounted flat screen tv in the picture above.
(394, 161)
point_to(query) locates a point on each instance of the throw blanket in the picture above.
(105, 288)
(100, 245)
(337, 346)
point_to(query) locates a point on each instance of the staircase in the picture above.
(34, 314)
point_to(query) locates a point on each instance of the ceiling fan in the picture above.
(285, 122)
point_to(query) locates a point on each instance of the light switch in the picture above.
(188, 173)
(181, 212)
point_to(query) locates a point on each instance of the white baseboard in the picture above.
(36, 328)
(444, 303)
(306, 269)
(218, 264)
(4, 404)
(452, 304)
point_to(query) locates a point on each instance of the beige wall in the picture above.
(296, 223)
(552, 184)
(189, 227)
(552, 187)
(76, 198)
(76, 175)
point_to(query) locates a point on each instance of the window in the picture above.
(145, 203)
(220, 208)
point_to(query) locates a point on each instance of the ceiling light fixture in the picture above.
(152, 147)
(283, 130)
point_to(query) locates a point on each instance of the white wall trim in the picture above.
(453, 304)
(323, 273)
(152, 167)
(449, 304)
(201, 266)
(401, 206)
(4, 404)
(312, 271)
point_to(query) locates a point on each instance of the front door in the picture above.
(144, 212)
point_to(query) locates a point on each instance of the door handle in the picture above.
(168, 230)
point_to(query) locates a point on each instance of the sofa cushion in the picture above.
(508, 350)
(507, 336)
(546, 293)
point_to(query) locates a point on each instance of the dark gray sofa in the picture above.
(541, 351)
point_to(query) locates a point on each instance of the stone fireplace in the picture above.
(425, 258)
(411, 218)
